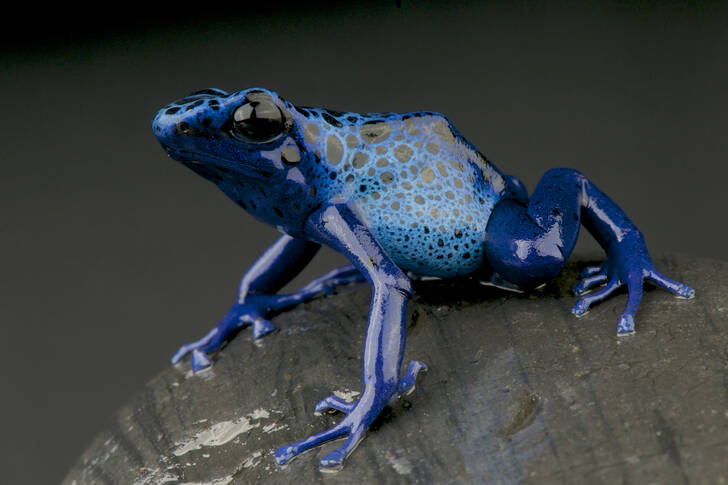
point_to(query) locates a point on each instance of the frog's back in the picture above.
(423, 190)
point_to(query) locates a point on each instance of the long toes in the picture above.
(334, 402)
(583, 304)
(679, 289)
(625, 325)
(335, 460)
(181, 352)
(407, 383)
(589, 282)
(589, 270)
(580, 307)
(208, 343)
(262, 327)
(284, 454)
(199, 361)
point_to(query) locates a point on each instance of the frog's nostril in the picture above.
(185, 129)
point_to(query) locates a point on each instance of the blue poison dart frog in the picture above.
(400, 195)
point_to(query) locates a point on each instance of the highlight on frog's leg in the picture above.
(340, 228)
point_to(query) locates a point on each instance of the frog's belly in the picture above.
(430, 237)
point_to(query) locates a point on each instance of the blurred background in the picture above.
(112, 255)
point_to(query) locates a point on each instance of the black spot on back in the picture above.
(214, 92)
(331, 120)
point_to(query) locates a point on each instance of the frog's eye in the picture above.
(258, 121)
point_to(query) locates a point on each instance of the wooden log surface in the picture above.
(518, 391)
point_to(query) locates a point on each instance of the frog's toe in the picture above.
(284, 454)
(336, 403)
(199, 361)
(209, 343)
(679, 289)
(262, 327)
(589, 282)
(335, 460)
(583, 304)
(591, 270)
(625, 325)
(406, 384)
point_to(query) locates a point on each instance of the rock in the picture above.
(518, 390)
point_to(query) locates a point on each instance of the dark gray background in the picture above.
(113, 255)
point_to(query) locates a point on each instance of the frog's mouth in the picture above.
(215, 167)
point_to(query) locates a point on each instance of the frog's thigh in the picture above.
(529, 243)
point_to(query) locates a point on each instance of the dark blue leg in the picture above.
(529, 243)
(257, 299)
(339, 228)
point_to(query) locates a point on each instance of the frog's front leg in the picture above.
(256, 299)
(528, 243)
(338, 227)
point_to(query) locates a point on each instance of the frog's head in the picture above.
(216, 134)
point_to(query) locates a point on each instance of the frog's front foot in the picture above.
(405, 387)
(359, 416)
(628, 263)
(250, 313)
(254, 311)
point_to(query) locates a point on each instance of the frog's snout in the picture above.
(195, 114)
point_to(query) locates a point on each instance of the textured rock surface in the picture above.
(518, 390)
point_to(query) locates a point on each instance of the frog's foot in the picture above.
(253, 312)
(239, 316)
(359, 416)
(627, 263)
(405, 387)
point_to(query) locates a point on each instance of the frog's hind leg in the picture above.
(529, 242)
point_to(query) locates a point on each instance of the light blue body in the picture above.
(400, 196)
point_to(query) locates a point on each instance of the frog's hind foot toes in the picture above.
(582, 305)
(680, 290)
(407, 382)
(589, 282)
(591, 270)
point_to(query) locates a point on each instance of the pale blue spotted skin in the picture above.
(424, 192)
(422, 189)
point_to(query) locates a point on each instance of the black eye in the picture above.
(258, 121)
